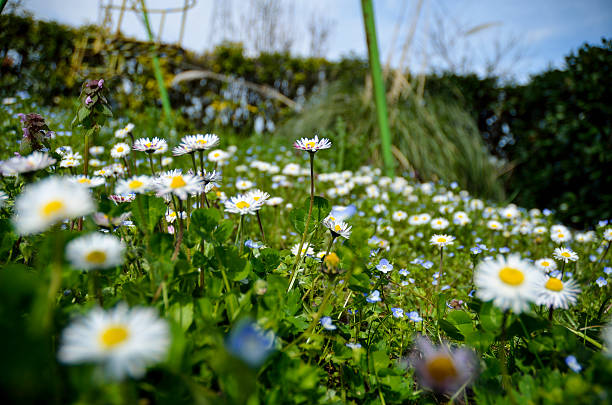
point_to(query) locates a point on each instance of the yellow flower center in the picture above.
(202, 141)
(51, 208)
(148, 144)
(554, 284)
(310, 144)
(337, 228)
(216, 154)
(256, 198)
(441, 368)
(96, 257)
(560, 235)
(114, 336)
(544, 264)
(242, 204)
(565, 254)
(84, 181)
(332, 259)
(177, 182)
(134, 184)
(120, 149)
(511, 276)
(441, 240)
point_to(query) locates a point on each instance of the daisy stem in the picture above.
(56, 278)
(506, 382)
(440, 268)
(241, 231)
(263, 235)
(151, 163)
(86, 154)
(562, 270)
(179, 237)
(331, 242)
(127, 166)
(299, 252)
(195, 172)
(161, 167)
(203, 196)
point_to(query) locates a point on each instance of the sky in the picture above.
(534, 34)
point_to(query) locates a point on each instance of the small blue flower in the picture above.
(445, 287)
(250, 343)
(471, 294)
(573, 364)
(353, 346)
(416, 261)
(397, 312)
(403, 272)
(546, 212)
(608, 270)
(326, 322)
(252, 244)
(373, 297)
(601, 281)
(504, 250)
(428, 264)
(414, 316)
(592, 258)
(475, 250)
(384, 266)
(404, 283)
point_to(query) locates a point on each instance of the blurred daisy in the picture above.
(124, 341)
(167, 161)
(218, 155)
(96, 150)
(564, 254)
(125, 131)
(182, 150)
(439, 223)
(607, 235)
(242, 204)
(162, 146)
(120, 150)
(49, 201)
(259, 196)
(442, 369)
(494, 225)
(244, 184)
(560, 237)
(399, 215)
(86, 181)
(274, 201)
(442, 240)
(546, 264)
(181, 185)
(33, 162)
(171, 215)
(312, 144)
(95, 251)
(511, 283)
(135, 184)
(3, 198)
(306, 249)
(461, 218)
(105, 172)
(555, 293)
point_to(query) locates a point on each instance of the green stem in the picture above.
(179, 237)
(299, 252)
(151, 163)
(263, 235)
(241, 235)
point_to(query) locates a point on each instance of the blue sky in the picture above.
(544, 30)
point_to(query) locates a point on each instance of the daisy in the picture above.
(167, 161)
(202, 142)
(33, 162)
(399, 215)
(123, 132)
(546, 264)
(439, 223)
(3, 198)
(49, 201)
(95, 251)
(96, 150)
(244, 184)
(337, 228)
(511, 283)
(564, 254)
(171, 215)
(105, 172)
(242, 204)
(149, 145)
(274, 201)
(120, 150)
(105, 221)
(259, 196)
(135, 184)
(461, 218)
(86, 181)
(312, 144)
(607, 235)
(69, 162)
(218, 155)
(162, 146)
(178, 184)
(124, 341)
(494, 225)
(415, 219)
(122, 198)
(182, 150)
(306, 250)
(560, 237)
(442, 240)
(555, 293)
(442, 369)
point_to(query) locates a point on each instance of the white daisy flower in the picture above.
(399, 216)
(135, 184)
(86, 181)
(166, 161)
(244, 184)
(607, 235)
(49, 201)
(312, 144)
(120, 150)
(560, 237)
(68, 162)
(274, 201)
(104, 172)
(95, 251)
(337, 228)
(494, 225)
(259, 196)
(539, 230)
(306, 249)
(124, 341)
(461, 218)
(442, 369)
(95, 163)
(555, 293)
(476, 204)
(546, 264)
(125, 131)
(218, 155)
(149, 145)
(439, 223)
(442, 240)
(201, 142)
(242, 204)
(564, 254)
(33, 162)
(96, 150)
(182, 150)
(511, 283)
(181, 185)
(172, 215)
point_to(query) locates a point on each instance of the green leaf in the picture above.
(450, 329)
(204, 221)
(461, 320)
(320, 208)
(182, 314)
(83, 113)
(223, 231)
(148, 210)
(490, 317)
(298, 217)
(238, 268)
